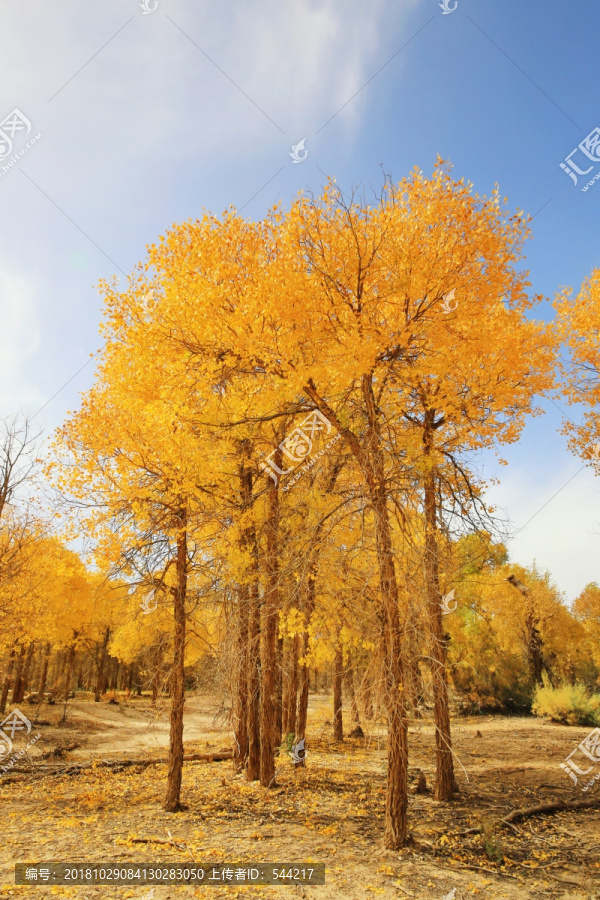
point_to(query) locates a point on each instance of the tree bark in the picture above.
(268, 649)
(69, 675)
(253, 673)
(278, 691)
(241, 711)
(445, 784)
(114, 681)
(370, 458)
(338, 675)
(44, 675)
(19, 690)
(155, 683)
(352, 694)
(368, 696)
(100, 687)
(7, 682)
(173, 794)
(291, 695)
(240, 716)
(535, 655)
(19, 673)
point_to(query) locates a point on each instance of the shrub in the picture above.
(568, 704)
(492, 845)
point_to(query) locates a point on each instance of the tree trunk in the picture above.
(19, 674)
(368, 696)
(44, 675)
(535, 655)
(309, 607)
(173, 794)
(24, 680)
(240, 717)
(352, 694)
(338, 675)
(69, 675)
(100, 684)
(253, 688)
(7, 682)
(268, 648)
(445, 785)
(157, 674)
(279, 692)
(291, 698)
(114, 681)
(371, 462)
(240, 705)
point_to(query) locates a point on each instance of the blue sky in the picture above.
(148, 118)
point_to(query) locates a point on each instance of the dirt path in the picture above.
(131, 729)
(332, 812)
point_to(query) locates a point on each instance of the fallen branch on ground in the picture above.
(540, 809)
(118, 764)
(157, 841)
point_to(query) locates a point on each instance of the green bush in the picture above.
(569, 704)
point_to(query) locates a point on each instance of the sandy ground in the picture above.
(331, 811)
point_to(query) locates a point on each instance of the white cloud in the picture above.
(563, 535)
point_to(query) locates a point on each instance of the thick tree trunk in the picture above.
(173, 793)
(445, 785)
(338, 675)
(396, 805)
(268, 648)
(7, 682)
